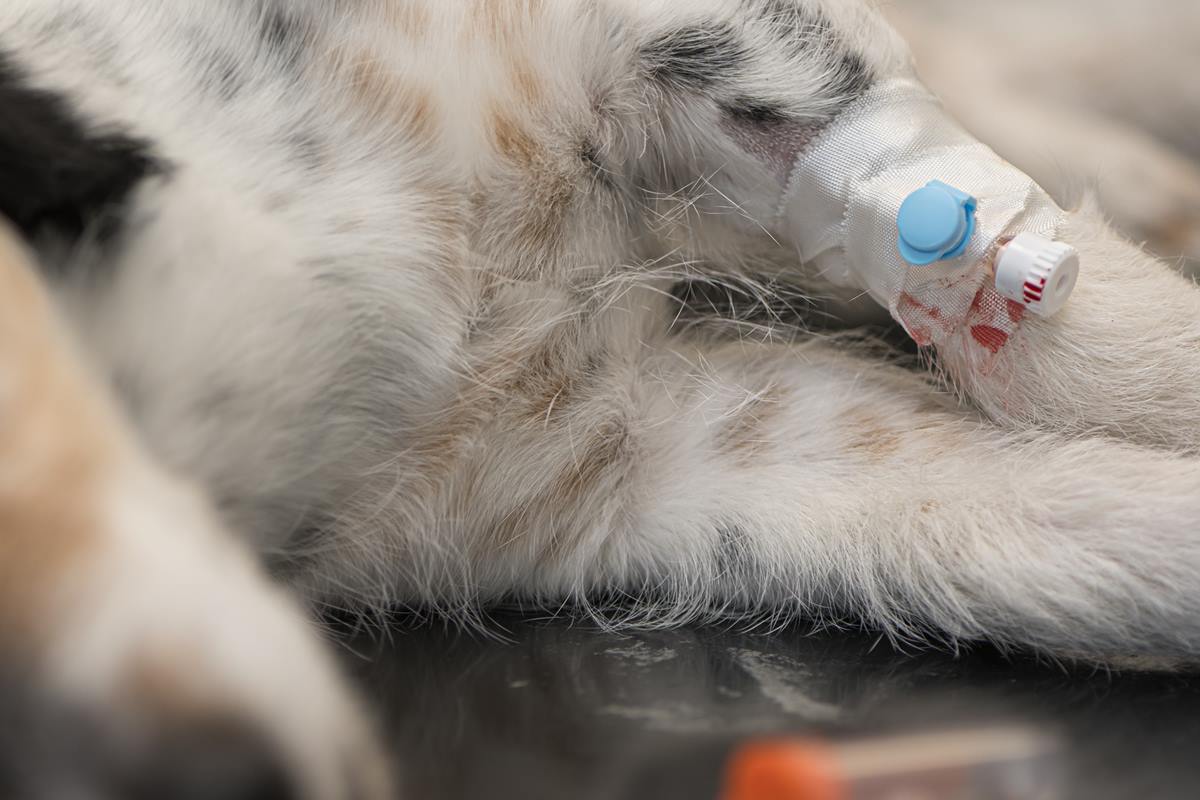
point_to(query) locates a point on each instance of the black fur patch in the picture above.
(756, 112)
(590, 155)
(284, 34)
(694, 58)
(730, 299)
(851, 78)
(56, 173)
(703, 57)
(805, 33)
(222, 72)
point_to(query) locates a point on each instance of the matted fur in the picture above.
(393, 285)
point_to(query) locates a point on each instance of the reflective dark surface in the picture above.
(565, 710)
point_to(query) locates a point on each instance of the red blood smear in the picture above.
(921, 336)
(1016, 311)
(908, 301)
(991, 338)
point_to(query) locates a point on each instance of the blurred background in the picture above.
(1099, 96)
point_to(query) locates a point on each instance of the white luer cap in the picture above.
(1037, 272)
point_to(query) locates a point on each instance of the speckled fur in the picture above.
(399, 301)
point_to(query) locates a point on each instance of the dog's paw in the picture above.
(124, 599)
(199, 677)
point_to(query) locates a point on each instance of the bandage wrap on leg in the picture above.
(844, 194)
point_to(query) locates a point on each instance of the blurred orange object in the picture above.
(784, 770)
(995, 763)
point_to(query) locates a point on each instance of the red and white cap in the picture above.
(1037, 272)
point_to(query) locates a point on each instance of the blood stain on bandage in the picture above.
(923, 337)
(1016, 311)
(976, 304)
(991, 338)
(907, 301)
(918, 319)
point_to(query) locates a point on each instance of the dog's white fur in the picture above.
(417, 350)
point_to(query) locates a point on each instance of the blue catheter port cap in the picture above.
(935, 222)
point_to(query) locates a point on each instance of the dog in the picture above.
(319, 304)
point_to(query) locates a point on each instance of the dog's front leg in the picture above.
(1123, 357)
(893, 198)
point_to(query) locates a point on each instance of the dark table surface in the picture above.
(555, 709)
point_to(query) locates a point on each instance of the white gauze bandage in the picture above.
(844, 194)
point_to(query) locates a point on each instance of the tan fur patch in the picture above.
(543, 392)
(600, 461)
(549, 185)
(546, 382)
(410, 18)
(57, 442)
(526, 81)
(744, 434)
(512, 139)
(523, 380)
(541, 230)
(381, 93)
(162, 678)
(538, 384)
(870, 436)
(601, 453)
(499, 20)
